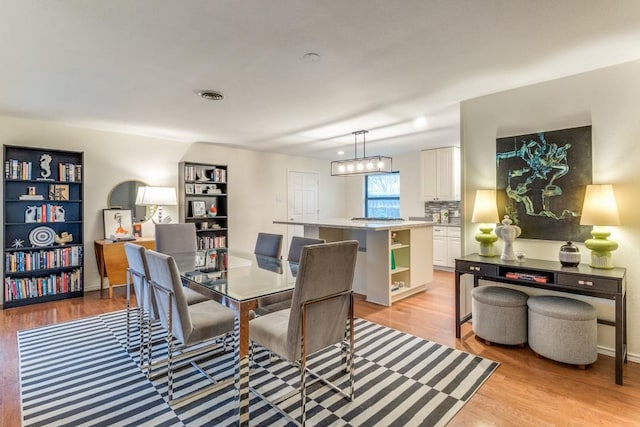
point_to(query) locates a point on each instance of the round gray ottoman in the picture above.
(563, 329)
(499, 314)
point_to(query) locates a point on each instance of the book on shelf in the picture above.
(69, 172)
(21, 261)
(120, 239)
(526, 276)
(34, 287)
(15, 169)
(31, 197)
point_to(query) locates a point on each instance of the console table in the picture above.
(112, 260)
(580, 280)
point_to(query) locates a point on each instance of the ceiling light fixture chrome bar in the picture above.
(361, 165)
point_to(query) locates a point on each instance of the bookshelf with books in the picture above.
(203, 201)
(43, 225)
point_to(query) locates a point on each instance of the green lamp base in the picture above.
(486, 239)
(601, 249)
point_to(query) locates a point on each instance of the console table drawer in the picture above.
(594, 283)
(477, 269)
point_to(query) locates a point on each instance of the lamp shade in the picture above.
(152, 196)
(485, 209)
(599, 206)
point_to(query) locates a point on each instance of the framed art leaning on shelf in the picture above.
(117, 223)
(198, 208)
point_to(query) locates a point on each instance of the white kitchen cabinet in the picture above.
(440, 169)
(446, 246)
(454, 246)
(440, 246)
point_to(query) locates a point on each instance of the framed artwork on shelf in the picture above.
(198, 208)
(59, 192)
(188, 188)
(201, 258)
(117, 224)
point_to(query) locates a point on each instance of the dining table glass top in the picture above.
(240, 276)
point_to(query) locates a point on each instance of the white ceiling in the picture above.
(135, 65)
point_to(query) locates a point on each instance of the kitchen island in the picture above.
(395, 258)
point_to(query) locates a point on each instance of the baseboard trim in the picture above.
(608, 351)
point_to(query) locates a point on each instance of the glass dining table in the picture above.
(237, 280)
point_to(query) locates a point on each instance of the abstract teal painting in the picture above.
(541, 181)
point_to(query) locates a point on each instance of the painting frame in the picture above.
(198, 208)
(117, 223)
(541, 178)
(59, 192)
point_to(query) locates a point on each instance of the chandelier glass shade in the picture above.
(361, 165)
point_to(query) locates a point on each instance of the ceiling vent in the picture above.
(211, 95)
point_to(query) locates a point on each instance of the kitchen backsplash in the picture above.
(444, 212)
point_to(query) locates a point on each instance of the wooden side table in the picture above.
(112, 260)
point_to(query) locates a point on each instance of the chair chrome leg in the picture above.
(351, 349)
(149, 350)
(252, 360)
(303, 392)
(141, 329)
(170, 352)
(128, 339)
(303, 368)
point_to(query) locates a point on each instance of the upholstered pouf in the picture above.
(563, 329)
(499, 314)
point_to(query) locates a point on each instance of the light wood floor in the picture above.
(524, 391)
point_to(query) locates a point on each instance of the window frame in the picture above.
(367, 197)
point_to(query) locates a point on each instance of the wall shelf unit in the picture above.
(42, 225)
(203, 201)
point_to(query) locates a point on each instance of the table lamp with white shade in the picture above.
(485, 212)
(155, 198)
(600, 210)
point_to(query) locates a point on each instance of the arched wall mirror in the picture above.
(123, 196)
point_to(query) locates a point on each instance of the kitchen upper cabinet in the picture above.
(441, 174)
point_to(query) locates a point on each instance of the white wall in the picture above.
(257, 181)
(607, 99)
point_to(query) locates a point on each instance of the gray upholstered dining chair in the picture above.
(201, 324)
(321, 314)
(137, 274)
(296, 245)
(268, 244)
(282, 301)
(146, 309)
(177, 238)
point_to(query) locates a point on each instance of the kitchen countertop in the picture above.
(453, 223)
(346, 223)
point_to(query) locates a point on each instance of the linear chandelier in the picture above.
(361, 165)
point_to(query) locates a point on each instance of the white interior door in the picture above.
(302, 201)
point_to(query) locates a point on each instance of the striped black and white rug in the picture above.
(79, 374)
